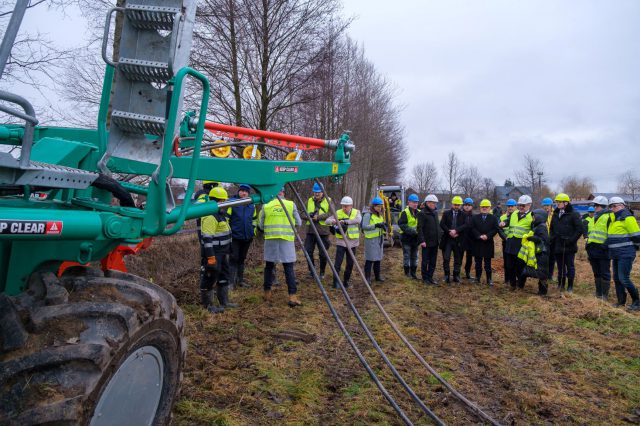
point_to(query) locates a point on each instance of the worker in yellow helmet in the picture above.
(453, 224)
(565, 231)
(216, 238)
(484, 226)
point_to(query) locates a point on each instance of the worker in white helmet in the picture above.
(348, 220)
(596, 247)
(429, 238)
(520, 223)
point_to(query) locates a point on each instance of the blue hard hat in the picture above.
(244, 187)
(591, 209)
(377, 201)
(511, 202)
(468, 201)
(413, 197)
(316, 188)
(547, 202)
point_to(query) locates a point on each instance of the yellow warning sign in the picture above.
(334, 168)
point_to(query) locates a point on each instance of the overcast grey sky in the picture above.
(493, 80)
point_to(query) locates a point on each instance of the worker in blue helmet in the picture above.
(317, 211)
(374, 228)
(467, 239)
(587, 221)
(408, 223)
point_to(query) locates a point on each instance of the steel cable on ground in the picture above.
(344, 330)
(469, 404)
(363, 325)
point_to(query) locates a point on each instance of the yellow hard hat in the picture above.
(457, 200)
(218, 193)
(485, 203)
(562, 197)
(210, 182)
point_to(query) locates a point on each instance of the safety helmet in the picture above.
(377, 201)
(413, 197)
(547, 202)
(218, 193)
(601, 200)
(456, 200)
(210, 182)
(346, 201)
(431, 197)
(511, 202)
(524, 199)
(317, 187)
(468, 200)
(591, 209)
(540, 215)
(616, 200)
(244, 187)
(563, 197)
(485, 203)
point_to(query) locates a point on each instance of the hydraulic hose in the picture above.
(363, 325)
(342, 327)
(473, 407)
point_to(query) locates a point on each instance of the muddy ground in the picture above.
(563, 359)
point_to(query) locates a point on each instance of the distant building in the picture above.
(503, 193)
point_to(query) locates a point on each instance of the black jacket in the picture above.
(409, 235)
(446, 224)
(429, 227)
(467, 234)
(488, 227)
(566, 230)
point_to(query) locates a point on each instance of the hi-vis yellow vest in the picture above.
(352, 232)
(519, 227)
(376, 232)
(412, 222)
(505, 218)
(276, 223)
(528, 251)
(324, 208)
(598, 230)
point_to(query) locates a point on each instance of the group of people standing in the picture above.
(533, 242)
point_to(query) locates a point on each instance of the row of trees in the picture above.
(282, 65)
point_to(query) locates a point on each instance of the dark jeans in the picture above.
(239, 250)
(409, 255)
(467, 262)
(211, 275)
(449, 248)
(487, 267)
(289, 274)
(368, 264)
(341, 252)
(310, 244)
(566, 265)
(601, 268)
(428, 263)
(622, 278)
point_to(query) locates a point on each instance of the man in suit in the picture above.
(453, 225)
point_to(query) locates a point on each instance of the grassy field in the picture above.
(563, 359)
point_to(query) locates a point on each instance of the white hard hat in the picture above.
(525, 199)
(616, 200)
(601, 200)
(431, 197)
(346, 201)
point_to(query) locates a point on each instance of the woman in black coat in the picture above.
(541, 239)
(565, 230)
(428, 238)
(484, 227)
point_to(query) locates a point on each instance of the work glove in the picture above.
(212, 261)
(381, 225)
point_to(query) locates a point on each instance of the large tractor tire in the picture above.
(90, 348)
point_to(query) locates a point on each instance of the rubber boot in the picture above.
(406, 272)
(205, 299)
(414, 269)
(561, 282)
(598, 283)
(223, 297)
(635, 300)
(294, 301)
(489, 280)
(604, 285)
(570, 285)
(240, 279)
(447, 280)
(376, 272)
(456, 278)
(542, 287)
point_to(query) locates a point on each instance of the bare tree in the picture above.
(452, 171)
(629, 183)
(470, 181)
(487, 189)
(424, 178)
(578, 187)
(531, 174)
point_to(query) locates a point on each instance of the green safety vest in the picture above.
(412, 222)
(375, 232)
(352, 232)
(324, 208)
(519, 227)
(505, 218)
(528, 251)
(276, 223)
(598, 230)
